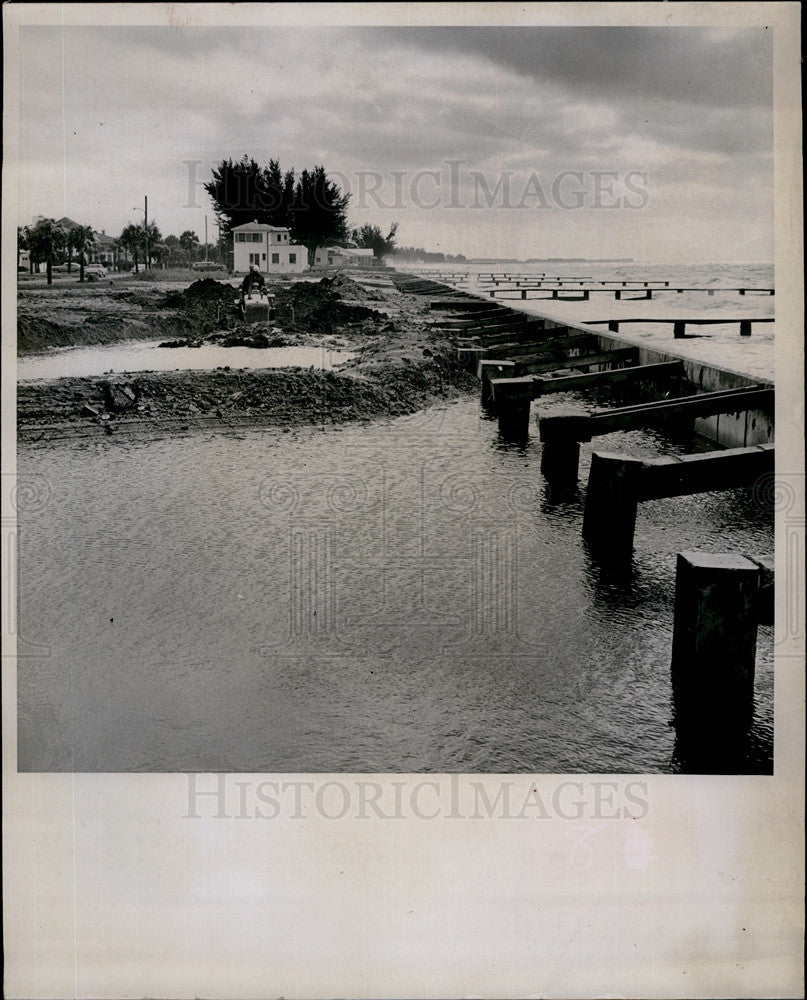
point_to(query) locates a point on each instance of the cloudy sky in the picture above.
(651, 143)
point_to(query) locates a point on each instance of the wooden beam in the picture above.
(618, 483)
(568, 431)
(703, 473)
(614, 376)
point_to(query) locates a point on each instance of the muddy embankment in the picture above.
(402, 364)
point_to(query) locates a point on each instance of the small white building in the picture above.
(267, 247)
(344, 257)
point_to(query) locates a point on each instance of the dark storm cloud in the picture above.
(690, 107)
(692, 65)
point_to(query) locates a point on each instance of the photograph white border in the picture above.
(112, 890)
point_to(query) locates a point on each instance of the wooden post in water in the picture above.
(560, 454)
(679, 329)
(511, 399)
(612, 498)
(713, 653)
(488, 369)
(745, 327)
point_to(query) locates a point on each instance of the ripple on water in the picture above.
(401, 596)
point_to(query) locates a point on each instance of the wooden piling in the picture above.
(560, 454)
(559, 462)
(489, 369)
(745, 327)
(713, 652)
(511, 400)
(612, 498)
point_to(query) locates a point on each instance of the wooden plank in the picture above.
(620, 356)
(496, 328)
(572, 383)
(699, 321)
(705, 404)
(524, 351)
(460, 304)
(718, 470)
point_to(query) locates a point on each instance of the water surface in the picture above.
(141, 356)
(400, 597)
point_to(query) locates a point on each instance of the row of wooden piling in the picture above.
(564, 292)
(720, 599)
(525, 282)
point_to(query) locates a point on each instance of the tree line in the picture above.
(49, 242)
(311, 205)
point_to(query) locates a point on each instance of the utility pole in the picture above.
(205, 237)
(146, 228)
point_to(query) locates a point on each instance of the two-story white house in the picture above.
(269, 248)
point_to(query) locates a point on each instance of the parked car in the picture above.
(207, 265)
(96, 269)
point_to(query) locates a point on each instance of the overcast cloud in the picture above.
(111, 114)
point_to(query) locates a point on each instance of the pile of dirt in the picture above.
(345, 287)
(317, 308)
(39, 332)
(205, 291)
(263, 397)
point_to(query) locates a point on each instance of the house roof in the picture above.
(259, 227)
(103, 238)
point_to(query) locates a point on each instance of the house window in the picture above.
(263, 256)
(254, 258)
(292, 258)
(240, 237)
(275, 258)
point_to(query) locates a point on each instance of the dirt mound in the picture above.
(345, 287)
(165, 401)
(206, 290)
(34, 333)
(39, 333)
(317, 307)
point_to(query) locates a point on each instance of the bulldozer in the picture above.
(258, 306)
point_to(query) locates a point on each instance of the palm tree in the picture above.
(70, 245)
(159, 252)
(189, 241)
(130, 240)
(45, 239)
(155, 237)
(83, 239)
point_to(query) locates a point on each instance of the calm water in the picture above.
(393, 597)
(139, 356)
